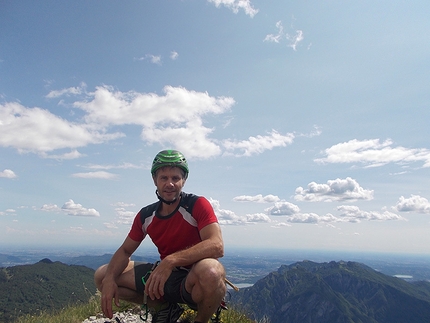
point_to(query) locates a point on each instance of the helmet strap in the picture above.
(163, 200)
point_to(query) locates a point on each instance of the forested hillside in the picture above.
(45, 285)
(335, 292)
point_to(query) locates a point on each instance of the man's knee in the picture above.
(210, 271)
(99, 274)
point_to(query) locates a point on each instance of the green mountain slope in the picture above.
(45, 285)
(335, 292)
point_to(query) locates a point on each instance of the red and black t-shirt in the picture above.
(177, 231)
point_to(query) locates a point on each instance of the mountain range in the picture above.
(334, 292)
(305, 292)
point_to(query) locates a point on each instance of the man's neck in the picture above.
(167, 209)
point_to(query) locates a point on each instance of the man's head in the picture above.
(172, 158)
(169, 171)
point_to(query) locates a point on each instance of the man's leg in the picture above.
(126, 283)
(206, 284)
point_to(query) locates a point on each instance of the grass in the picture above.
(70, 314)
(78, 313)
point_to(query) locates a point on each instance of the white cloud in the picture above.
(283, 208)
(258, 144)
(68, 91)
(71, 208)
(415, 203)
(175, 119)
(155, 59)
(352, 213)
(124, 216)
(44, 131)
(99, 175)
(227, 217)
(123, 204)
(174, 55)
(276, 38)
(110, 225)
(311, 218)
(192, 138)
(257, 198)
(293, 40)
(120, 166)
(74, 154)
(7, 173)
(374, 153)
(50, 208)
(236, 5)
(257, 217)
(334, 190)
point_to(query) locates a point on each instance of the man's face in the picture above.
(169, 182)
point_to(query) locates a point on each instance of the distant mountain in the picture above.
(95, 262)
(335, 292)
(9, 260)
(46, 285)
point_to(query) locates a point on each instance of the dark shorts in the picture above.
(174, 288)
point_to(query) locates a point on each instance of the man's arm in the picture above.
(211, 246)
(116, 266)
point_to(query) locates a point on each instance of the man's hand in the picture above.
(154, 287)
(109, 292)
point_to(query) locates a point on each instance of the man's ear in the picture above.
(155, 182)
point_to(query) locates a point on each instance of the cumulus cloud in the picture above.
(352, 213)
(7, 173)
(311, 218)
(74, 209)
(123, 216)
(334, 190)
(415, 203)
(99, 175)
(176, 118)
(257, 198)
(227, 217)
(258, 144)
(236, 5)
(283, 208)
(374, 153)
(44, 131)
(50, 208)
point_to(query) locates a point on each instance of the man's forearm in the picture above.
(117, 264)
(204, 249)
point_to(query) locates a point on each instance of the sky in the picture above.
(304, 123)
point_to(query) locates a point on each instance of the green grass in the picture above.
(71, 314)
(80, 312)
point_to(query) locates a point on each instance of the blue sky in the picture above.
(305, 123)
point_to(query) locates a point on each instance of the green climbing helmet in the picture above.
(169, 158)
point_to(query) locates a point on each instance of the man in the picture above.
(188, 237)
